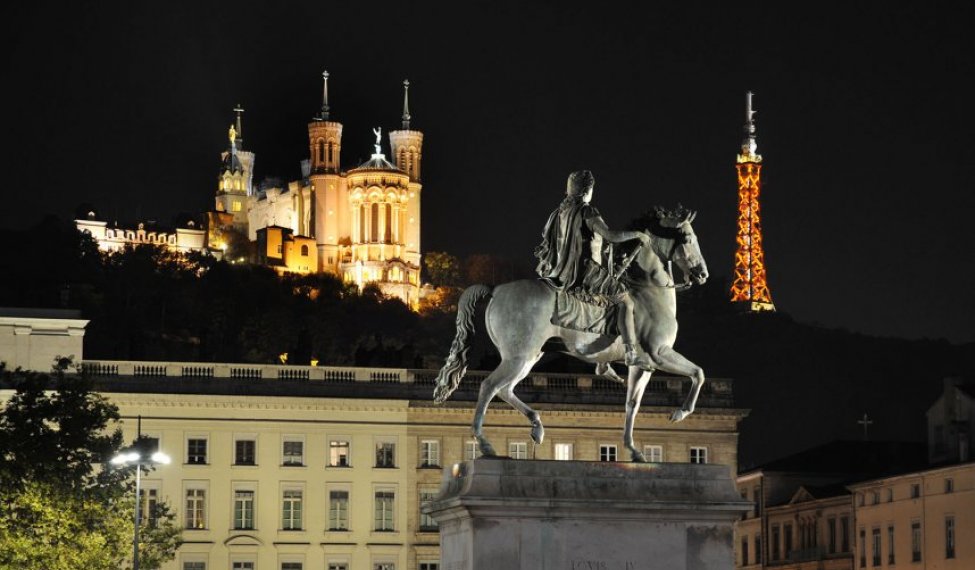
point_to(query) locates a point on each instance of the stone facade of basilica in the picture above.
(361, 223)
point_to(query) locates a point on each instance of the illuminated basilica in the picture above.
(362, 224)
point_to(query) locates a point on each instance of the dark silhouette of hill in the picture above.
(805, 384)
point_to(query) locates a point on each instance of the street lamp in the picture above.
(158, 458)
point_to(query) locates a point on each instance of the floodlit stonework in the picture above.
(184, 239)
(364, 222)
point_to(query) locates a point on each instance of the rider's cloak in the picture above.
(565, 244)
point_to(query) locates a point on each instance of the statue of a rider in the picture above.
(570, 259)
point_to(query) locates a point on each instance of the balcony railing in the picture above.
(662, 390)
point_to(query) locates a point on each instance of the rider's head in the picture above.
(580, 185)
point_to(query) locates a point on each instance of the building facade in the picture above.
(803, 517)
(951, 422)
(186, 238)
(924, 519)
(301, 468)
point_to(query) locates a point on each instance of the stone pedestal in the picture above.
(576, 515)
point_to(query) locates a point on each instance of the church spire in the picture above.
(406, 104)
(323, 116)
(240, 127)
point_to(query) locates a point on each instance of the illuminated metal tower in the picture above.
(749, 285)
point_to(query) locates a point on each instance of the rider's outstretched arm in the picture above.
(599, 227)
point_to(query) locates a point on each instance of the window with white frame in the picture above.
(384, 566)
(431, 565)
(607, 452)
(338, 566)
(338, 509)
(518, 450)
(243, 565)
(293, 451)
(194, 565)
(385, 454)
(291, 507)
(427, 523)
(149, 505)
(243, 509)
(699, 455)
(430, 453)
(471, 452)
(563, 452)
(292, 566)
(245, 451)
(384, 515)
(654, 453)
(196, 508)
(339, 453)
(196, 450)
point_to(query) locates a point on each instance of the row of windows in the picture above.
(915, 493)
(292, 509)
(786, 538)
(250, 565)
(339, 452)
(876, 546)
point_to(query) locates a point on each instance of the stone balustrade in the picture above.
(716, 392)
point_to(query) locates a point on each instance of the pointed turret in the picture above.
(324, 137)
(406, 104)
(240, 127)
(407, 144)
(323, 114)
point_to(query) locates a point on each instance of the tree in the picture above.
(443, 269)
(56, 509)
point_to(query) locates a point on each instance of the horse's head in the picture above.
(675, 241)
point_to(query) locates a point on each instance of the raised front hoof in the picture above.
(538, 433)
(638, 457)
(679, 415)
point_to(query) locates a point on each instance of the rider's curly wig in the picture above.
(579, 183)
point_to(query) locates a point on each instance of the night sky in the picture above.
(865, 123)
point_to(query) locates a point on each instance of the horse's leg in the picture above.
(636, 383)
(507, 394)
(605, 369)
(669, 360)
(502, 375)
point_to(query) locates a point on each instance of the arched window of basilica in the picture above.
(304, 250)
(375, 222)
(388, 238)
(321, 150)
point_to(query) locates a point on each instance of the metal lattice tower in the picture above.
(750, 286)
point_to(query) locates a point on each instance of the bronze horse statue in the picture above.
(518, 320)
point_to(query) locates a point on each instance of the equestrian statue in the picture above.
(588, 304)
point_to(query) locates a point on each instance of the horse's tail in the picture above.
(456, 365)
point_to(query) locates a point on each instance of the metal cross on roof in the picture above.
(866, 422)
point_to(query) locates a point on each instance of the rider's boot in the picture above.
(637, 357)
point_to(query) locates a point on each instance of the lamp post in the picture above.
(158, 458)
